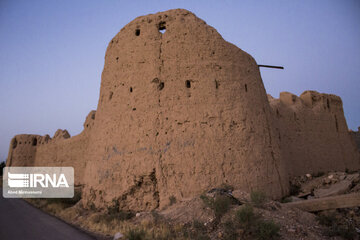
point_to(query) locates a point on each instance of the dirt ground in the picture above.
(219, 214)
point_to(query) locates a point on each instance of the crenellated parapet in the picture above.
(184, 111)
(313, 133)
(60, 150)
(22, 150)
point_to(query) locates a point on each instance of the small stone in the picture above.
(138, 214)
(295, 199)
(353, 177)
(327, 181)
(308, 175)
(310, 197)
(330, 176)
(333, 190)
(118, 235)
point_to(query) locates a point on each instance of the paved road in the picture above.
(20, 220)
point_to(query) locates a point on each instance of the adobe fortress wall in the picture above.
(356, 137)
(313, 133)
(61, 150)
(184, 111)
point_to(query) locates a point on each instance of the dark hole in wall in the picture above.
(110, 96)
(245, 87)
(131, 89)
(161, 86)
(14, 143)
(162, 27)
(216, 84)
(137, 32)
(336, 124)
(188, 84)
(328, 103)
(277, 113)
(34, 142)
(117, 59)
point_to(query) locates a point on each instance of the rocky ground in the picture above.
(224, 213)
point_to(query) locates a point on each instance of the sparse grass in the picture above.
(266, 230)
(114, 212)
(220, 204)
(135, 234)
(66, 202)
(326, 219)
(252, 225)
(258, 198)
(55, 206)
(230, 231)
(157, 218)
(336, 228)
(196, 231)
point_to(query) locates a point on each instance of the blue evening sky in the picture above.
(52, 52)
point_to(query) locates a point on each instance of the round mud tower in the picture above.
(180, 111)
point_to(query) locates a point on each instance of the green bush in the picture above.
(257, 198)
(245, 216)
(265, 230)
(326, 219)
(230, 231)
(198, 226)
(336, 228)
(114, 212)
(220, 204)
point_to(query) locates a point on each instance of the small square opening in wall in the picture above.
(162, 27)
(137, 32)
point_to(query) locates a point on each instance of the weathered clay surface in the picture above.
(356, 137)
(178, 113)
(313, 133)
(184, 111)
(61, 150)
